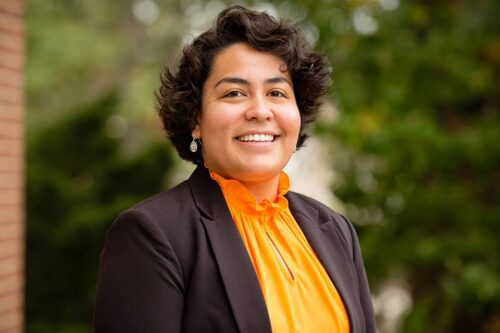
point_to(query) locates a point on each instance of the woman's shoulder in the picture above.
(172, 198)
(299, 201)
(303, 204)
(164, 208)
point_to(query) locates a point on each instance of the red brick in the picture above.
(11, 77)
(10, 266)
(10, 320)
(11, 112)
(13, 300)
(11, 164)
(11, 146)
(10, 283)
(10, 231)
(11, 41)
(15, 7)
(11, 23)
(10, 215)
(10, 182)
(10, 248)
(14, 330)
(11, 129)
(10, 59)
(10, 95)
(13, 197)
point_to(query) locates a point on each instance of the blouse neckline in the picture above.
(238, 195)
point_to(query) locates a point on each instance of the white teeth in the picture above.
(256, 138)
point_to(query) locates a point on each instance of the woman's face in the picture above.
(250, 121)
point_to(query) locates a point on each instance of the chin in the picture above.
(257, 171)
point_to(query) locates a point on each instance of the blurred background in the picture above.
(408, 141)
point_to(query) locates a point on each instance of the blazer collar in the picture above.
(325, 239)
(238, 275)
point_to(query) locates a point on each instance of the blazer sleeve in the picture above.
(140, 285)
(364, 290)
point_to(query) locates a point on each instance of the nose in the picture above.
(259, 110)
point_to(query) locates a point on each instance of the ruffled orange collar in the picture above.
(238, 195)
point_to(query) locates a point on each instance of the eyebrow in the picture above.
(278, 79)
(238, 80)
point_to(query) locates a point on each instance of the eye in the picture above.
(234, 93)
(276, 93)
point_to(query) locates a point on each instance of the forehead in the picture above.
(242, 59)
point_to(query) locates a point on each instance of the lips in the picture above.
(257, 138)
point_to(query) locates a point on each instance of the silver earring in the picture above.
(193, 146)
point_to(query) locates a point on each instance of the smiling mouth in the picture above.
(257, 138)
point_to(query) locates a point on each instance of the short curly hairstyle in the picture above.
(180, 95)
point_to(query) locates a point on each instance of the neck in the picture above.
(261, 190)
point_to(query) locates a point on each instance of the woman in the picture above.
(231, 249)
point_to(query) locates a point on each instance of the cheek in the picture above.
(294, 123)
(217, 121)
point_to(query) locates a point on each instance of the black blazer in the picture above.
(176, 263)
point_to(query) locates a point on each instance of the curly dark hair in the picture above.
(179, 97)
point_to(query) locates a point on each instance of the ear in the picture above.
(196, 132)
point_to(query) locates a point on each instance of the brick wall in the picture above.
(11, 165)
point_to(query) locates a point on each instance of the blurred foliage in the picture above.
(419, 154)
(414, 142)
(77, 184)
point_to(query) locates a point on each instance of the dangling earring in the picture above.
(193, 146)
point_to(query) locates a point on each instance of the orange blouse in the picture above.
(299, 295)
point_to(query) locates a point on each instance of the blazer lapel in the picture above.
(238, 275)
(326, 243)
